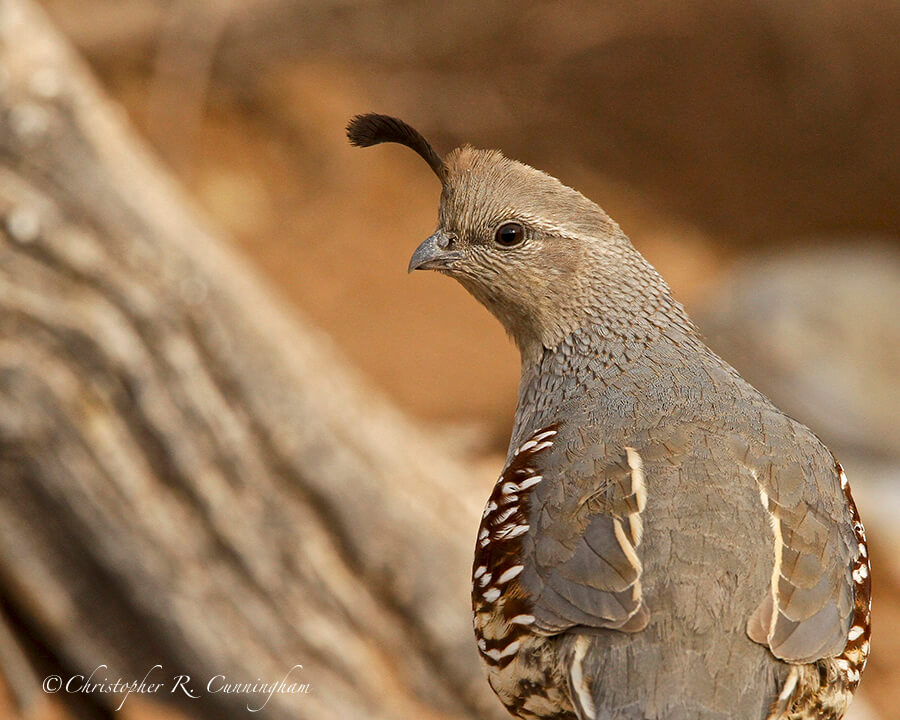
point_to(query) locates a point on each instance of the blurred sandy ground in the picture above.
(750, 150)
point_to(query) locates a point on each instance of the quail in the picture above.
(663, 543)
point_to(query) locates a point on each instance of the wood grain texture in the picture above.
(190, 476)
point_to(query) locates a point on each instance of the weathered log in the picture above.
(190, 476)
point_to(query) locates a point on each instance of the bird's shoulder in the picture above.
(605, 467)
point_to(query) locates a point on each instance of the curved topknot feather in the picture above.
(373, 129)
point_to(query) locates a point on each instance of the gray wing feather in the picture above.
(808, 613)
(585, 559)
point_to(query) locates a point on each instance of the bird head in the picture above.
(539, 255)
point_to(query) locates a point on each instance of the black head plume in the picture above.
(373, 129)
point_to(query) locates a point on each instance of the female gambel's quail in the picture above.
(663, 542)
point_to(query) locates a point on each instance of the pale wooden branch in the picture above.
(191, 476)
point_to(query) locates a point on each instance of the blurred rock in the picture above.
(818, 330)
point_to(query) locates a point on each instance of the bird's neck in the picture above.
(596, 354)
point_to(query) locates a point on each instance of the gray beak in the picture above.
(434, 253)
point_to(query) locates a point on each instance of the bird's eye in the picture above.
(509, 234)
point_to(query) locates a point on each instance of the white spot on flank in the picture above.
(482, 644)
(489, 508)
(844, 481)
(522, 620)
(482, 569)
(526, 446)
(855, 632)
(541, 446)
(483, 534)
(510, 574)
(484, 580)
(491, 595)
(529, 482)
(843, 664)
(544, 435)
(864, 648)
(502, 517)
(579, 683)
(861, 573)
(508, 488)
(512, 531)
(853, 675)
(510, 649)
